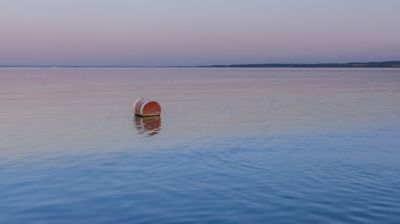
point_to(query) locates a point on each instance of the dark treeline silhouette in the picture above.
(385, 64)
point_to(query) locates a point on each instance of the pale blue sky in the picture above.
(189, 32)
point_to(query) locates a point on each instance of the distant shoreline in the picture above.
(384, 64)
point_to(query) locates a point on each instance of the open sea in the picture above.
(232, 146)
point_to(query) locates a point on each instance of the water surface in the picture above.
(231, 146)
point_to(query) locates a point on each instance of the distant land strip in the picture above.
(384, 64)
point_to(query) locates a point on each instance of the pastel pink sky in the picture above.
(194, 32)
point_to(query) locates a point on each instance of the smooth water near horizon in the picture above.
(231, 146)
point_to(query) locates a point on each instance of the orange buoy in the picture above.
(146, 108)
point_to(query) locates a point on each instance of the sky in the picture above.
(197, 32)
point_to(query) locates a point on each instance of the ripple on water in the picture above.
(232, 146)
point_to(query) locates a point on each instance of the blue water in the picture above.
(231, 146)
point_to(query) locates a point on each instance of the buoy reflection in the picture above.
(148, 126)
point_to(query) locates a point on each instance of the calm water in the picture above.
(232, 146)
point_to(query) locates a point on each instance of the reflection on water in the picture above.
(237, 146)
(147, 126)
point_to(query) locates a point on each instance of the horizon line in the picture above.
(239, 65)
